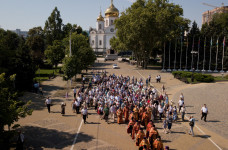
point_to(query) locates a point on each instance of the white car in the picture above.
(115, 66)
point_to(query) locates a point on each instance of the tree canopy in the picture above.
(55, 53)
(146, 25)
(53, 27)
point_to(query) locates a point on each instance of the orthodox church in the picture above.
(104, 31)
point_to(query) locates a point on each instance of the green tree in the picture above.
(55, 53)
(36, 43)
(53, 27)
(11, 109)
(16, 58)
(146, 25)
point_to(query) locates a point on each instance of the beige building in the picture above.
(208, 15)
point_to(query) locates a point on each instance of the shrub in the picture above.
(182, 75)
(226, 77)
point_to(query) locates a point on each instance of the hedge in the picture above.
(197, 76)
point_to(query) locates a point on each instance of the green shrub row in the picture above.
(199, 77)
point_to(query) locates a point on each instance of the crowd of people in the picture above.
(132, 103)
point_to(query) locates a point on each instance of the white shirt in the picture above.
(74, 90)
(160, 109)
(84, 111)
(181, 102)
(204, 109)
(48, 101)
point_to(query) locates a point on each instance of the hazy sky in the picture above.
(26, 14)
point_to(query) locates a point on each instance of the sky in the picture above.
(26, 14)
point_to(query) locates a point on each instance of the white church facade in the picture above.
(104, 31)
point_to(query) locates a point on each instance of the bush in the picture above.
(182, 75)
(203, 77)
(226, 77)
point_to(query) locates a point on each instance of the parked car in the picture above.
(115, 66)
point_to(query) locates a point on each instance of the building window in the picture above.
(99, 26)
(92, 42)
(111, 22)
(100, 42)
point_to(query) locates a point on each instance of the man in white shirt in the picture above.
(48, 103)
(180, 104)
(160, 110)
(84, 114)
(204, 112)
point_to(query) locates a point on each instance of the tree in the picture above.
(16, 58)
(146, 25)
(11, 109)
(36, 43)
(82, 55)
(53, 27)
(55, 53)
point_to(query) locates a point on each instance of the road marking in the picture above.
(188, 119)
(76, 136)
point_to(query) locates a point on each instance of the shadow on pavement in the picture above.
(203, 136)
(40, 138)
(166, 141)
(93, 123)
(178, 132)
(213, 121)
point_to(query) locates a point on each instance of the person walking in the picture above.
(160, 110)
(106, 113)
(63, 105)
(180, 103)
(164, 125)
(84, 114)
(183, 111)
(48, 104)
(20, 141)
(77, 106)
(74, 90)
(170, 121)
(204, 111)
(41, 91)
(191, 124)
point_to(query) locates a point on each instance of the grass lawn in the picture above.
(219, 78)
(43, 74)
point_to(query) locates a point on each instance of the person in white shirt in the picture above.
(160, 110)
(204, 112)
(183, 111)
(48, 104)
(180, 104)
(84, 114)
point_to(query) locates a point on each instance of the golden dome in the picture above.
(112, 11)
(100, 18)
